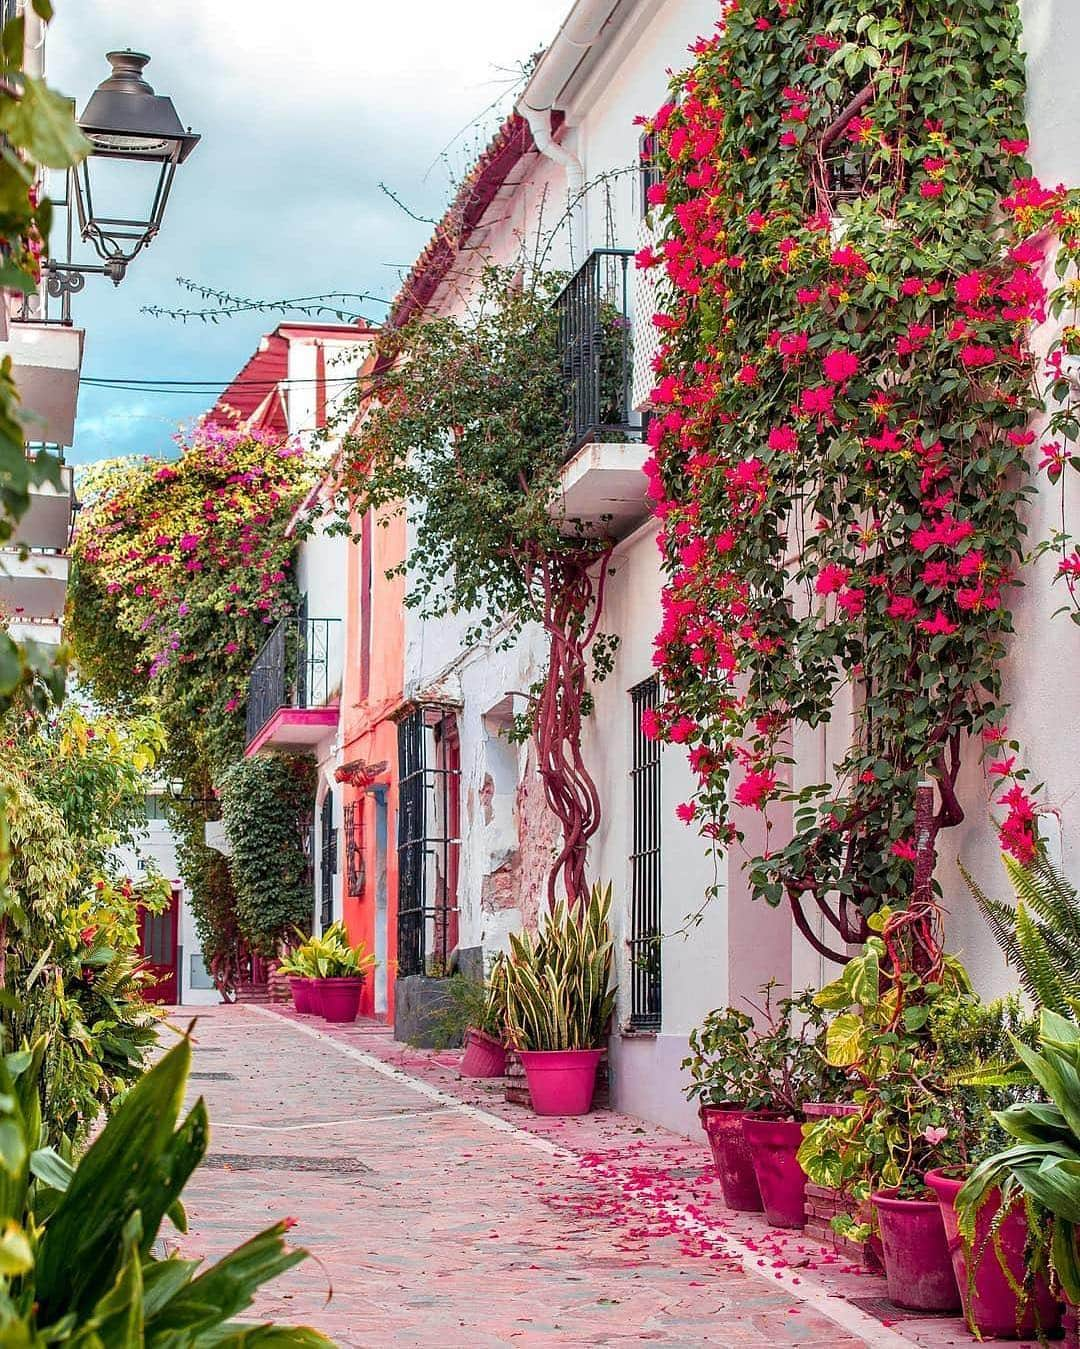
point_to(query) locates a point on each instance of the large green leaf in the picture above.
(43, 123)
(845, 1040)
(222, 1292)
(120, 1174)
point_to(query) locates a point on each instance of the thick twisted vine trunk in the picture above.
(571, 586)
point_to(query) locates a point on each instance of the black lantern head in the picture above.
(126, 120)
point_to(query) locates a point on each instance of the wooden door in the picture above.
(158, 935)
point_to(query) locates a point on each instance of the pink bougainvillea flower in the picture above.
(839, 366)
(931, 189)
(939, 625)
(902, 848)
(831, 578)
(686, 811)
(755, 789)
(977, 357)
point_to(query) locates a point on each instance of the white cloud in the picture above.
(304, 109)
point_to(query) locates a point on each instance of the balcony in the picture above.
(602, 483)
(47, 521)
(295, 685)
(596, 345)
(33, 586)
(46, 361)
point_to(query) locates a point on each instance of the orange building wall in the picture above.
(369, 735)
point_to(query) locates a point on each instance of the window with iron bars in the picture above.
(650, 172)
(429, 796)
(645, 941)
(327, 862)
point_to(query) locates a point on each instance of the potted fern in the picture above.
(559, 1002)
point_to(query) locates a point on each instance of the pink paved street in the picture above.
(436, 1215)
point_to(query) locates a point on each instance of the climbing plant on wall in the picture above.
(465, 428)
(266, 805)
(848, 233)
(179, 569)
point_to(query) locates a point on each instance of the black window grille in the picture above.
(645, 941)
(596, 349)
(355, 865)
(294, 669)
(327, 862)
(429, 784)
(650, 172)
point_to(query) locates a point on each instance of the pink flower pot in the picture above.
(991, 1308)
(338, 999)
(918, 1268)
(302, 993)
(484, 1055)
(561, 1081)
(731, 1153)
(773, 1144)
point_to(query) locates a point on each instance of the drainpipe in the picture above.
(539, 120)
(581, 29)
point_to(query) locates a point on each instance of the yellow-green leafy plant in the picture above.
(558, 982)
(330, 956)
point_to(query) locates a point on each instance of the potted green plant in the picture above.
(725, 1081)
(340, 971)
(485, 1033)
(299, 967)
(788, 1069)
(559, 1002)
(1015, 1217)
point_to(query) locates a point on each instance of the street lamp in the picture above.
(126, 122)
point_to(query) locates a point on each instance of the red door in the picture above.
(158, 934)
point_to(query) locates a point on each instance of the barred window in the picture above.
(646, 990)
(429, 843)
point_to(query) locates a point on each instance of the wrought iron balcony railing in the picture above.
(596, 344)
(295, 668)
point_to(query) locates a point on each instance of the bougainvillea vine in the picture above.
(853, 249)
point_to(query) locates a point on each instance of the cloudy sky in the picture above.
(304, 110)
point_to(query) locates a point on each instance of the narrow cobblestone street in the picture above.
(438, 1219)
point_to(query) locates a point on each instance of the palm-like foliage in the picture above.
(1043, 1167)
(558, 983)
(76, 1252)
(1040, 934)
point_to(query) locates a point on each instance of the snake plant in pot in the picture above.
(559, 1002)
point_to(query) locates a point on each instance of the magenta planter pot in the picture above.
(302, 994)
(990, 1305)
(918, 1268)
(338, 999)
(731, 1153)
(561, 1081)
(484, 1055)
(773, 1144)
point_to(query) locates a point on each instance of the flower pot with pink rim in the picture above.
(918, 1267)
(991, 1306)
(773, 1144)
(561, 1081)
(484, 1055)
(731, 1153)
(302, 994)
(338, 999)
